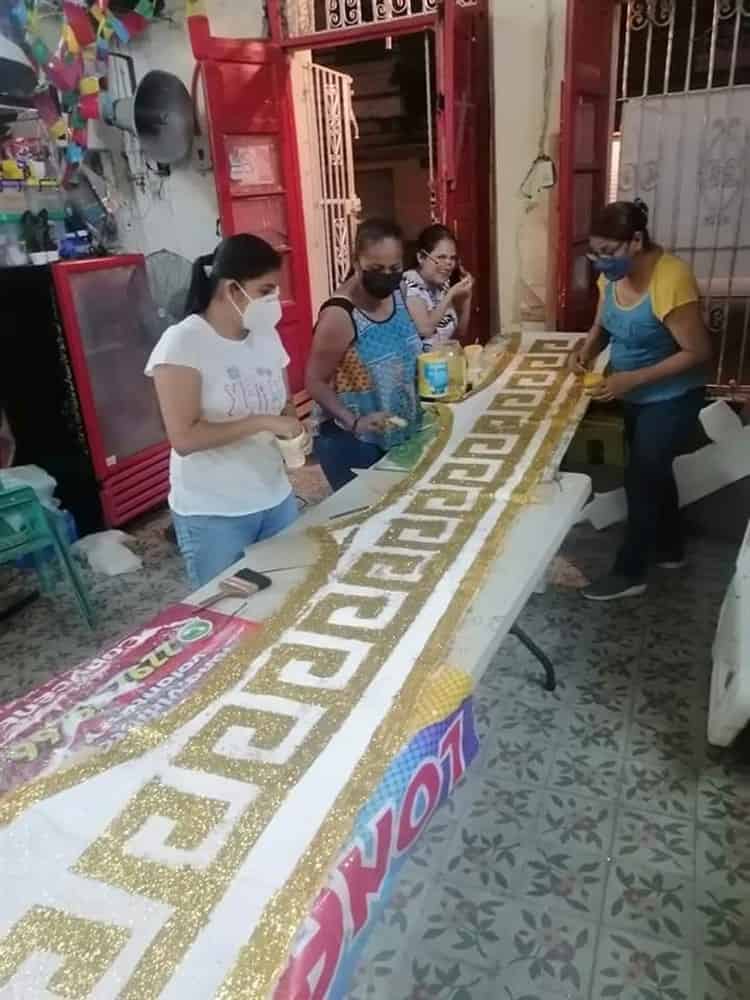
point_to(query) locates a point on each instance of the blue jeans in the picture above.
(656, 434)
(210, 544)
(339, 451)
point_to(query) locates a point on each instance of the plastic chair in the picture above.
(27, 528)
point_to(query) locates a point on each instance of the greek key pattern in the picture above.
(185, 867)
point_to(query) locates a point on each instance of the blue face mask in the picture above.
(613, 268)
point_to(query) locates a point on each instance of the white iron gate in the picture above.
(684, 122)
(333, 129)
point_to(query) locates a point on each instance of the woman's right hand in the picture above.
(579, 361)
(285, 427)
(372, 423)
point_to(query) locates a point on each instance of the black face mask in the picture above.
(381, 284)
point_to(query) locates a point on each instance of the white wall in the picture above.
(525, 270)
(178, 213)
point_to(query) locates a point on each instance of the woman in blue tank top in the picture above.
(649, 314)
(363, 361)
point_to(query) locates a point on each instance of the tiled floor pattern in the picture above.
(596, 849)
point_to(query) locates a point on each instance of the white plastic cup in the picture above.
(293, 450)
(473, 354)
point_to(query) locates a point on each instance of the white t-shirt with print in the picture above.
(415, 287)
(239, 378)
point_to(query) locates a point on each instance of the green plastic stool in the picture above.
(26, 528)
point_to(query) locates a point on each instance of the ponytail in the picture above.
(202, 285)
(237, 258)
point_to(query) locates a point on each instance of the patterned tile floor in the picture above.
(596, 848)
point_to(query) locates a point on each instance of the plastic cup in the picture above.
(473, 354)
(293, 450)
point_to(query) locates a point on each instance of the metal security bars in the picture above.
(683, 117)
(334, 128)
(307, 17)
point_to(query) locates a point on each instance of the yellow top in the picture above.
(672, 285)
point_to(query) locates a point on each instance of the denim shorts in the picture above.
(210, 544)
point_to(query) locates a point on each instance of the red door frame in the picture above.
(459, 196)
(212, 53)
(587, 81)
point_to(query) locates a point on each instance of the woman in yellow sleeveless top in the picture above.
(649, 314)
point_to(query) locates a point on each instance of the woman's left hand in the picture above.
(461, 291)
(614, 387)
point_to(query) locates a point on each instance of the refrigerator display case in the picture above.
(74, 340)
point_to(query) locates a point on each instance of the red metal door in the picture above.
(254, 149)
(464, 143)
(584, 152)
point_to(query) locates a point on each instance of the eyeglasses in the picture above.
(443, 259)
(593, 256)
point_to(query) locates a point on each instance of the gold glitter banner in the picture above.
(221, 822)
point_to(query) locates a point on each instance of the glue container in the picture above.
(442, 373)
(433, 375)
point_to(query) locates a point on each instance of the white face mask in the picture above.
(260, 315)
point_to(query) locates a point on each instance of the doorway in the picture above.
(375, 126)
(438, 89)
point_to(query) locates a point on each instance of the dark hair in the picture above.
(373, 231)
(622, 220)
(429, 238)
(236, 258)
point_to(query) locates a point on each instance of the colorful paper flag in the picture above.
(89, 106)
(89, 85)
(74, 153)
(115, 25)
(40, 53)
(136, 24)
(80, 23)
(58, 129)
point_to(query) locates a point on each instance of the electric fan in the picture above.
(169, 280)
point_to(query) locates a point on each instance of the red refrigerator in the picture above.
(111, 325)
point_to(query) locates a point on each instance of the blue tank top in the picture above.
(378, 373)
(638, 338)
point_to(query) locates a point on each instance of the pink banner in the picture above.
(96, 704)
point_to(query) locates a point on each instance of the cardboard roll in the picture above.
(159, 114)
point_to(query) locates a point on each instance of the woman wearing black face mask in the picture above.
(362, 366)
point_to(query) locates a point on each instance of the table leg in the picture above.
(523, 637)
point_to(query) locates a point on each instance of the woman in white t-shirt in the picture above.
(220, 376)
(440, 310)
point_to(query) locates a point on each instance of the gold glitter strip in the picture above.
(264, 958)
